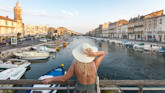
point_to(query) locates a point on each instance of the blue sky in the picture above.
(79, 15)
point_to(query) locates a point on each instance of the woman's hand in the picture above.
(90, 53)
(47, 80)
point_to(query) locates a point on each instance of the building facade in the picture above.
(122, 31)
(33, 30)
(161, 28)
(105, 30)
(11, 27)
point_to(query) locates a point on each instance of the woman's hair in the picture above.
(84, 67)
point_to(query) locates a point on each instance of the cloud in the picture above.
(43, 13)
(68, 13)
(6, 9)
(38, 13)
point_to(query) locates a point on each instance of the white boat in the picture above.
(112, 41)
(43, 40)
(34, 55)
(14, 63)
(118, 42)
(44, 48)
(152, 47)
(53, 73)
(138, 47)
(12, 73)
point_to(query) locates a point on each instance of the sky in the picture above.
(79, 15)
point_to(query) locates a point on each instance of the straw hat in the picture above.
(79, 54)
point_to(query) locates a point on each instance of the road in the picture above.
(20, 44)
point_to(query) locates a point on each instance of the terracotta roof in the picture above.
(6, 18)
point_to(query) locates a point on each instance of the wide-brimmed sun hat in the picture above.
(80, 55)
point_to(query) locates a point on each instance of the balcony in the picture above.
(130, 32)
(138, 32)
(161, 32)
(111, 28)
(7, 26)
(140, 25)
(131, 27)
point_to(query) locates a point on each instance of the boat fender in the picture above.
(53, 57)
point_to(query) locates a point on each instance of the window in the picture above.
(154, 22)
(160, 21)
(149, 22)
(6, 22)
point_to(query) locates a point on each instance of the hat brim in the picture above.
(79, 54)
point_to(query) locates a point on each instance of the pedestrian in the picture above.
(84, 67)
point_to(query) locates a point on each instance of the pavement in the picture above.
(140, 41)
(20, 44)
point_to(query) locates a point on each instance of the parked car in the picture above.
(43, 40)
(22, 39)
(2, 42)
(8, 41)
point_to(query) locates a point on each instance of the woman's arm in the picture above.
(65, 77)
(100, 56)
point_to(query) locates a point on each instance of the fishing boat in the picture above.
(112, 41)
(138, 47)
(12, 73)
(44, 48)
(118, 42)
(32, 55)
(59, 71)
(14, 63)
(151, 47)
(160, 50)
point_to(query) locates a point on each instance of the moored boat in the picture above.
(59, 71)
(151, 47)
(44, 48)
(12, 73)
(32, 55)
(14, 63)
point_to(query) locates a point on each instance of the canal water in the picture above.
(120, 63)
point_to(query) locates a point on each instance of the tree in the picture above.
(18, 35)
(53, 38)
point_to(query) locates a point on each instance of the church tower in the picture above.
(18, 12)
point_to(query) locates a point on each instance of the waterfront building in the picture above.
(112, 29)
(122, 31)
(105, 30)
(161, 28)
(30, 30)
(135, 28)
(62, 31)
(11, 27)
(93, 32)
(33, 30)
(51, 31)
(150, 27)
(118, 27)
(151, 24)
(130, 32)
(100, 31)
